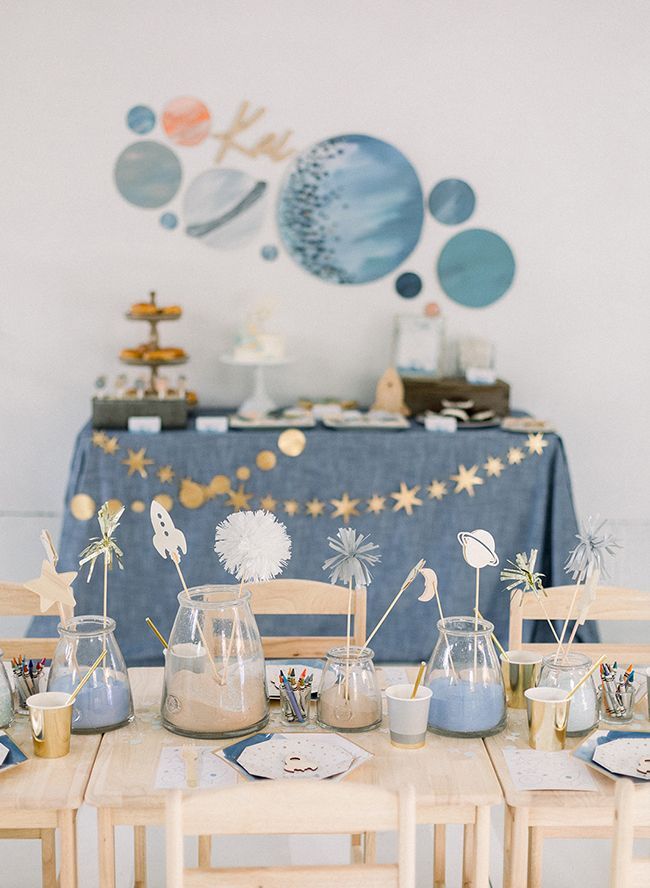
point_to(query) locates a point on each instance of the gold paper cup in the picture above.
(50, 717)
(520, 672)
(548, 716)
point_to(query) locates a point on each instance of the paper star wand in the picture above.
(52, 587)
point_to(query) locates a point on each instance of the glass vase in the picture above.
(6, 697)
(565, 674)
(104, 703)
(215, 682)
(349, 698)
(464, 676)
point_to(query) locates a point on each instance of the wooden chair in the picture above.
(632, 810)
(307, 597)
(297, 598)
(276, 808)
(18, 601)
(611, 603)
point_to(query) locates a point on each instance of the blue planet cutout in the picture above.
(351, 209)
(452, 201)
(269, 252)
(224, 208)
(140, 119)
(476, 267)
(148, 174)
(169, 220)
(408, 284)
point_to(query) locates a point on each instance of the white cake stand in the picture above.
(259, 402)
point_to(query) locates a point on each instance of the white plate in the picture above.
(394, 422)
(268, 759)
(273, 674)
(623, 756)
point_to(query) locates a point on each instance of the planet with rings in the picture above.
(478, 548)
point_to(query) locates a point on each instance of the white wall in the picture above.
(541, 107)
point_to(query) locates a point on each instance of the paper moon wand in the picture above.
(167, 538)
(430, 584)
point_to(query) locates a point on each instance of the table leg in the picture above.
(519, 848)
(356, 848)
(68, 831)
(468, 849)
(48, 858)
(370, 847)
(439, 858)
(205, 852)
(140, 856)
(535, 854)
(106, 844)
(482, 847)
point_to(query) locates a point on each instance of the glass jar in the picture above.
(6, 697)
(349, 698)
(104, 703)
(565, 674)
(464, 676)
(215, 681)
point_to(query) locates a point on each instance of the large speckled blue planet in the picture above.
(350, 209)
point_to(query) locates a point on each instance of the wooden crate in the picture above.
(114, 413)
(426, 393)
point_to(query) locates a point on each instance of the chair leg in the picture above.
(535, 854)
(48, 858)
(205, 851)
(356, 848)
(68, 834)
(468, 854)
(439, 855)
(370, 847)
(507, 845)
(140, 856)
(519, 848)
(482, 847)
(106, 845)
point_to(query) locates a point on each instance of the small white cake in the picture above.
(257, 348)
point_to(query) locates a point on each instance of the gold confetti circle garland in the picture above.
(291, 442)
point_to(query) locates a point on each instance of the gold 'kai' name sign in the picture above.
(273, 145)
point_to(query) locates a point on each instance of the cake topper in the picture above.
(167, 539)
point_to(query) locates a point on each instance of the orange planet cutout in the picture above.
(186, 120)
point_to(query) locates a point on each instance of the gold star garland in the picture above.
(193, 495)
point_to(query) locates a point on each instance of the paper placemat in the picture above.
(532, 769)
(210, 772)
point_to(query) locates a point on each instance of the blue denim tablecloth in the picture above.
(526, 505)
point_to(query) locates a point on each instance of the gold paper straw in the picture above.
(151, 625)
(585, 677)
(73, 695)
(418, 680)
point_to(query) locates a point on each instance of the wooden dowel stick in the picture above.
(548, 619)
(407, 582)
(347, 642)
(566, 622)
(495, 639)
(235, 624)
(73, 695)
(585, 677)
(174, 557)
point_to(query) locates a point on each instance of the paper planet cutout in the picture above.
(137, 506)
(169, 221)
(147, 174)
(243, 473)
(478, 548)
(83, 507)
(220, 484)
(351, 209)
(140, 119)
(224, 208)
(266, 460)
(186, 121)
(476, 267)
(408, 284)
(292, 442)
(269, 252)
(452, 201)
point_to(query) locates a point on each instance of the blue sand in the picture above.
(463, 707)
(105, 700)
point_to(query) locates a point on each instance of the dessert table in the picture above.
(531, 816)
(412, 490)
(45, 794)
(454, 780)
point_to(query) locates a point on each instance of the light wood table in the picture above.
(530, 817)
(44, 794)
(454, 781)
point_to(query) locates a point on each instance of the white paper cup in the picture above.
(407, 718)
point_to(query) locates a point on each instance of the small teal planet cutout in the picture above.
(269, 252)
(169, 220)
(224, 208)
(351, 209)
(148, 174)
(476, 267)
(140, 119)
(452, 201)
(408, 284)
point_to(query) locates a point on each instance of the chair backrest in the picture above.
(296, 597)
(17, 600)
(612, 603)
(285, 807)
(632, 811)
